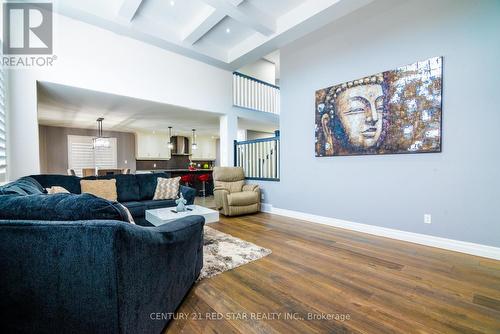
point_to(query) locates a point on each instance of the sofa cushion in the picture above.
(243, 198)
(101, 188)
(147, 184)
(68, 182)
(127, 186)
(158, 204)
(59, 207)
(137, 209)
(23, 186)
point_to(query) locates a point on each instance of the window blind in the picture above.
(3, 126)
(81, 154)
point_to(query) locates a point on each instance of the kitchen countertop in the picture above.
(175, 170)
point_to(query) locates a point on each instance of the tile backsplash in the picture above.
(176, 162)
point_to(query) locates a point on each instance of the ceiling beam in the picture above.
(207, 22)
(235, 2)
(128, 9)
(201, 28)
(246, 14)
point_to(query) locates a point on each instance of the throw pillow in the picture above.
(101, 188)
(127, 212)
(167, 188)
(57, 190)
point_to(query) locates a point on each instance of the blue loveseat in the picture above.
(134, 191)
(99, 275)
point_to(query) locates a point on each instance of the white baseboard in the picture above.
(265, 207)
(417, 238)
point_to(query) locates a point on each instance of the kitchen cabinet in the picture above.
(207, 149)
(151, 146)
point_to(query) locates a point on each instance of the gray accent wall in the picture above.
(54, 147)
(459, 187)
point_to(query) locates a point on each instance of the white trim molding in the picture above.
(417, 238)
(266, 207)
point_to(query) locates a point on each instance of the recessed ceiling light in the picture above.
(172, 3)
(228, 30)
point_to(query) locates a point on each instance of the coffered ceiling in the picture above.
(65, 106)
(225, 33)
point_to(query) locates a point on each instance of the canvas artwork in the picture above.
(397, 111)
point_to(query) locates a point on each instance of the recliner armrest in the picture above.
(220, 194)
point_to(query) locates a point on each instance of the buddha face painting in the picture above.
(391, 112)
(360, 111)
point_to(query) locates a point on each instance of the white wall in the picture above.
(96, 59)
(252, 135)
(460, 187)
(262, 70)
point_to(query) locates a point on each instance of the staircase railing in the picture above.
(255, 94)
(260, 158)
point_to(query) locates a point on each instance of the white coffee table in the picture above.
(165, 215)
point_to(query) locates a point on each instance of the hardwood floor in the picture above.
(381, 285)
(208, 201)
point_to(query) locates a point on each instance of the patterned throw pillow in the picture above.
(101, 188)
(126, 210)
(167, 188)
(57, 190)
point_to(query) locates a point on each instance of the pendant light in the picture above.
(194, 146)
(100, 141)
(170, 144)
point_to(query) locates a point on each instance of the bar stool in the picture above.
(204, 178)
(187, 179)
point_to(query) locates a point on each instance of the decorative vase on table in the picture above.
(181, 204)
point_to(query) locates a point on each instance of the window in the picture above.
(81, 154)
(3, 126)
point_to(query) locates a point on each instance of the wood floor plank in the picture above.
(385, 285)
(486, 301)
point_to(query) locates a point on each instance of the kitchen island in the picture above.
(196, 184)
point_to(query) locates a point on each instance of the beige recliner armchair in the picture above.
(232, 196)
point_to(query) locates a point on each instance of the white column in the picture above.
(23, 156)
(228, 131)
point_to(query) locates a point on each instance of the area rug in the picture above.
(223, 252)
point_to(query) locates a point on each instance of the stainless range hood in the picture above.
(181, 145)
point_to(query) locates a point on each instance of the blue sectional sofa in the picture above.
(134, 191)
(70, 263)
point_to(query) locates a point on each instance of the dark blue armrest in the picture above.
(95, 276)
(158, 266)
(188, 193)
(180, 229)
